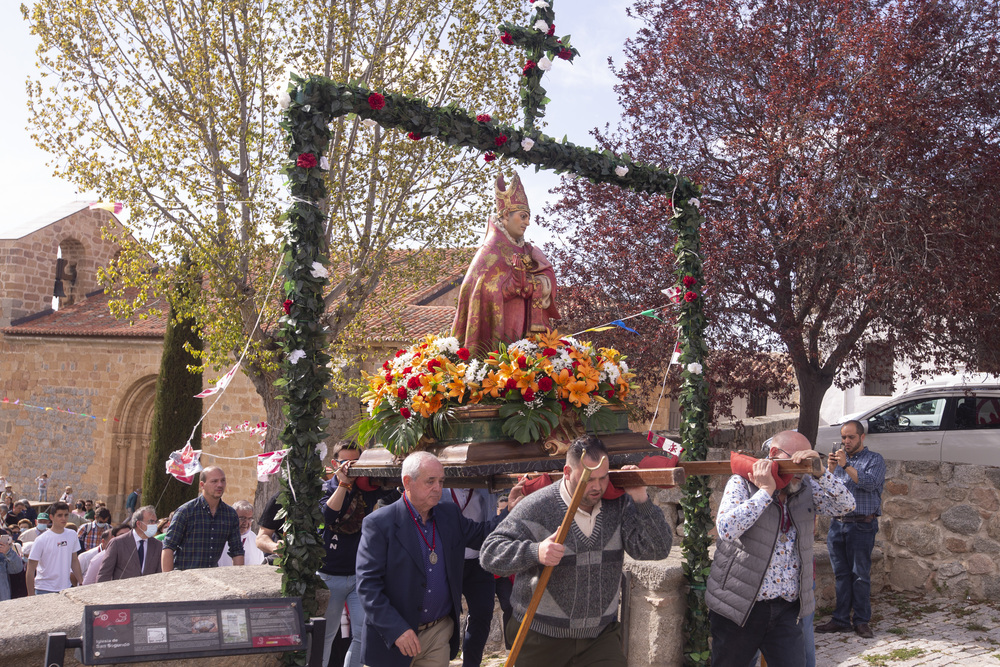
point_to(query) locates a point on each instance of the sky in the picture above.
(599, 30)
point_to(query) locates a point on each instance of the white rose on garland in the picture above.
(544, 64)
(296, 356)
(621, 171)
(695, 368)
(527, 143)
(318, 270)
(541, 26)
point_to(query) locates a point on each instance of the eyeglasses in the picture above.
(787, 455)
(246, 519)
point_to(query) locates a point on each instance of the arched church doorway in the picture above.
(130, 439)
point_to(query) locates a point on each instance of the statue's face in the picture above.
(516, 222)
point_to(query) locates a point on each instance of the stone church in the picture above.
(77, 386)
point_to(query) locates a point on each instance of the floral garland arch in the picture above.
(310, 104)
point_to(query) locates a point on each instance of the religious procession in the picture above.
(328, 377)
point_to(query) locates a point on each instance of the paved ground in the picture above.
(910, 631)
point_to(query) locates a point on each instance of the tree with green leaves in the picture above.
(176, 415)
(170, 108)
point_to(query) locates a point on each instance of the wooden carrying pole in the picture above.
(543, 579)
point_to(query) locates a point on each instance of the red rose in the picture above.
(407, 370)
(432, 364)
(483, 118)
(404, 413)
(401, 392)
(506, 38)
(388, 378)
(400, 353)
(522, 362)
(689, 281)
(565, 54)
(575, 364)
(306, 161)
(511, 383)
(463, 354)
(565, 405)
(501, 140)
(610, 393)
(413, 382)
(552, 29)
(545, 384)
(385, 365)
(489, 157)
(376, 101)
(690, 296)
(549, 352)
(528, 394)
(287, 305)
(414, 136)
(528, 66)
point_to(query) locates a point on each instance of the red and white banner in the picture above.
(184, 463)
(669, 446)
(221, 384)
(269, 463)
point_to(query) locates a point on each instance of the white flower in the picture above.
(293, 357)
(369, 122)
(591, 408)
(695, 368)
(284, 99)
(319, 271)
(527, 143)
(324, 163)
(544, 64)
(541, 26)
(540, 4)
(694, 202)
(624, 366)
(621, 170)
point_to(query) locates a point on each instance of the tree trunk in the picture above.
(264, 384)
(812, 388)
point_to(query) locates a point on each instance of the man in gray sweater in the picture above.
(576, 620)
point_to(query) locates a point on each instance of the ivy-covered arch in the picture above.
(312, 103)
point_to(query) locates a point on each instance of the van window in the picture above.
(973, 412)
(917, 415)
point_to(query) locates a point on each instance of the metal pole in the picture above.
(317, 632)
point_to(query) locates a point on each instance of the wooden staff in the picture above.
(543, 580)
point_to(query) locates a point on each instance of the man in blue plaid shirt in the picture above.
(202, 527)
(852, 537)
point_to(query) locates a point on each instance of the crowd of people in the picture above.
(398, 562)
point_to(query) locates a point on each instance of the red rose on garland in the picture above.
(463, 354)
(552, 29)
(404, 413)
(376, 101)
(501, 140)
(306, 161)
(287, 305)
(414, 136)
(528, 66)
(484, 118)
(565, 54)
(690, 296)
(506, 38)
(689, 281)
(489, 157)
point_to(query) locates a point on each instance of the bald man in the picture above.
(201, 528)
(761, 584)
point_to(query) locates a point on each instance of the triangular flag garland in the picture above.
(269, 463)
(669, 446)
(184, 463)
(221, 384)
(111, 207)
(675, 358)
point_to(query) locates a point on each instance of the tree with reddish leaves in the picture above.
(849, 153)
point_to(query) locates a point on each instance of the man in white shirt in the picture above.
(251, 554)
(53, 564)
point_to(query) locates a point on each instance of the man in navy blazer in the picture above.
(409, 570)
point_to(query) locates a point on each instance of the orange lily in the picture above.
(492, 384)
(579, 395)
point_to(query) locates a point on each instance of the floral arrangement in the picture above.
(535, 381)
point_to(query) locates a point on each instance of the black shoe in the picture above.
(864, 631)
(832, 626)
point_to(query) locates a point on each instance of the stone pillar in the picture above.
(656, 608)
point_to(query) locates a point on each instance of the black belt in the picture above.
(431, 624)
(868, 518)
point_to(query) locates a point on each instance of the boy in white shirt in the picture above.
(53, 558)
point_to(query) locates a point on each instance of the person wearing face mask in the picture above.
(509, 289)
(90, 533)
(30, 534)
(136, 553)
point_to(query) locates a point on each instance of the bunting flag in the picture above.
(652, 313)
(184, 463)
(110, 207)
(269, 463)
(621, 325)
(221, 384)
(675, 358)
(675, 293)
(21, 404)
(669, 446)
(260, 428)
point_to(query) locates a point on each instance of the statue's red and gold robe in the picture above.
(503, 297)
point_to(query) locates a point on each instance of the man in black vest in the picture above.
(761, 583)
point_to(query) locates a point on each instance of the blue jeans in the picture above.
(478, 588)
(850, 546)
(772, 627)
(343, 589)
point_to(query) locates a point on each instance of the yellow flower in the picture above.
(456, 388)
